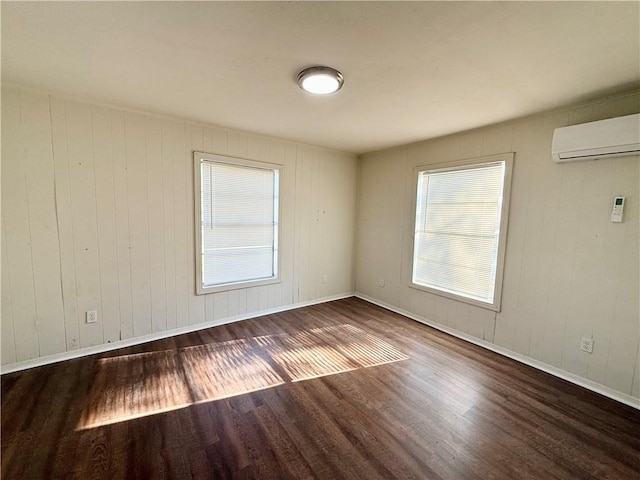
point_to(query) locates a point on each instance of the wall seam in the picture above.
(33, 279)
(95, 189)
(55, 205)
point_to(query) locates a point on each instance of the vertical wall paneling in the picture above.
(242, 301)
(122, 230)
(106, 217)
(238, 144)
(612, 260)
(635, 390)
(168, 224)
(626, 325)
(83, 217)
(287, 223)
(368, 257)
(253, 299)
(528, 182)
(208, 307)
(220, 305)
(616, 271)
(185, 285)
(263, 297)
(155, 207)
(98, 215)
(38, 171)
(17, 236)
(62, 185)
(137, 188)
(548, 191)
(592, 217)
(317, 264)
(563, 250)
(232, 303)
(8, 335)
(304, 220)
(274, 295)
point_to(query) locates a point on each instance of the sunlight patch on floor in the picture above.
(134, 386)
(328, 350)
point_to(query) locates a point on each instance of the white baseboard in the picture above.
(129, 342)
(555, 371)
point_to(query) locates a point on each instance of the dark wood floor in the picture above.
(432, 407)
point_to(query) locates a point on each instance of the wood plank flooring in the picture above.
(313, 403)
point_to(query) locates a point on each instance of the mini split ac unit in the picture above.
(614, 137)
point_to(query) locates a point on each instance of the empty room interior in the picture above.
(333, 240)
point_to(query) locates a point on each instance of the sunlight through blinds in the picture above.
(457, 230)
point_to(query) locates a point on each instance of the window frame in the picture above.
(198, 158)
(508, 159)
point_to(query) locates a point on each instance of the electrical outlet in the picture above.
(324, 279)
(92, 316)
(381, 282)
(586, 344)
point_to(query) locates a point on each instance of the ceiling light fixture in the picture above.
(320, 80)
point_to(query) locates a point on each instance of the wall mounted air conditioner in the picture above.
(614, 137)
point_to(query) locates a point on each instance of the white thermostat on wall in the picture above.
(618, 207)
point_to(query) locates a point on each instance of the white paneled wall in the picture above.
(97, 214)
(569, 272)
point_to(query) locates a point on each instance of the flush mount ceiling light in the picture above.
(320, 80)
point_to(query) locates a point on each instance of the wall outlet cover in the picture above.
(586, 344)
(92, 316)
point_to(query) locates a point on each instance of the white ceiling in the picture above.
(413, 70)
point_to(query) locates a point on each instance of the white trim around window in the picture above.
(237, 222)
(459, 229)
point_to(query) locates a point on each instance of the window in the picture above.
(237, 205)
(460, 229)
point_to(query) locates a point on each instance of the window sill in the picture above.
(200, 290)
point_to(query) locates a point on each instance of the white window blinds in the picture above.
(457, 230)
(239, 223)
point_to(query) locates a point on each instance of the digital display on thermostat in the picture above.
(618, 201)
